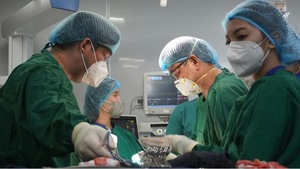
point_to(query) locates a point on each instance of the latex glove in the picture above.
(181, 144)
(171, 156)
(155, 141)
(88, 141)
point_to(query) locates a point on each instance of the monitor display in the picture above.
(128, 122)
(160, 94)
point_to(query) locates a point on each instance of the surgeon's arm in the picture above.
(52, 109)
(223, 99)
(267, 125)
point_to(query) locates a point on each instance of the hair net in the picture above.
(95, 97)
(265, 17)
(84, 24)
(182, 47)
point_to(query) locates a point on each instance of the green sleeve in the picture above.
(201, 116)
(221, 99)
(268, 124)
(269, 119)
(52, 109)
(175, 122)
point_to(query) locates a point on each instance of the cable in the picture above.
(136, 107)
(132, 101)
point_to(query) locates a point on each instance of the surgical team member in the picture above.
(193, 63)
(103, 103)
(41, 123)
(264, 124)
(183, 119)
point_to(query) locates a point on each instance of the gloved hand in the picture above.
(181, 144)
(88, 141)
(171, 156)
(154, 141)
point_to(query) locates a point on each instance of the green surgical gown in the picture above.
(127, 143)
(212, 114)
(265, 124)
(183, 119)
(38, 112)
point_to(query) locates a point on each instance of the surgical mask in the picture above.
(188, 87)
(116, 108)
(246, 57)
(95, 74)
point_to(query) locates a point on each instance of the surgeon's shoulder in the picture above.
(46, 70)
(229, 82)
(282, 80)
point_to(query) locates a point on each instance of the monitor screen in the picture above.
(160, 94)
(128, 122)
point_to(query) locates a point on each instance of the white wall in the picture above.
(147, 28)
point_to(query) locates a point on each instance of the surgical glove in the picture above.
(88, 141)
(156, 141)
(171, 156)
(181, 144)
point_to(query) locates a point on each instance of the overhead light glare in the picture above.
(163, 3)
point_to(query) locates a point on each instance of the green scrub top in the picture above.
(183, 119)
(212, 113)
(127, 143)
(38, 113)
(265, 124)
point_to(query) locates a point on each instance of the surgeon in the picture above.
(102, 103)
(183, 119)
(41, 123)
(193, 63)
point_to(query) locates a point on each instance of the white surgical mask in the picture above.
(246, 57)
(95, 74)
(188, 87)
(116, 108)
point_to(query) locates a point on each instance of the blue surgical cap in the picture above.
(182, 47)
(95, 97)
(266, 18)
(85, 24)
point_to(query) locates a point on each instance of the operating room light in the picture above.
(115, 19)
(163, 3)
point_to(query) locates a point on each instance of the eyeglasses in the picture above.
(174, 77)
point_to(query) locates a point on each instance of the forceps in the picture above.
(114, 153)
